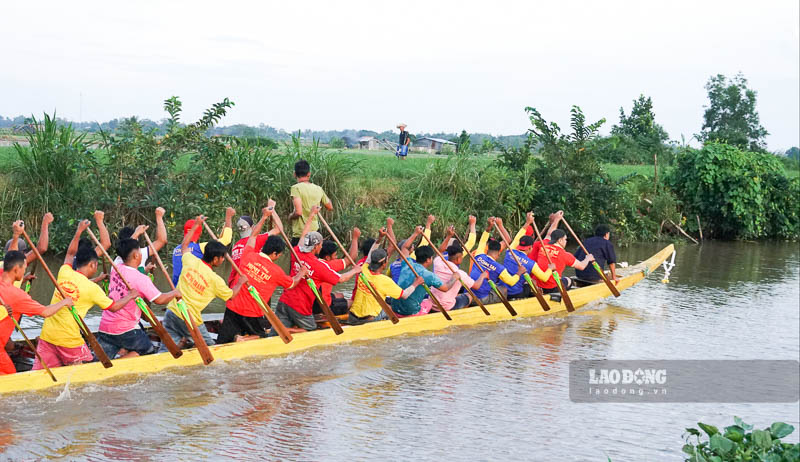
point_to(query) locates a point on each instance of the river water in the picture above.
(494, 392)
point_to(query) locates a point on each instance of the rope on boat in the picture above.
(668, 267)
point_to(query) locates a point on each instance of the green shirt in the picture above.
(311, 195)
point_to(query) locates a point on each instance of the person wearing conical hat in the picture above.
(403, 143)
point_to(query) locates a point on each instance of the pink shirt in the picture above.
(128, 317)
(448, 299)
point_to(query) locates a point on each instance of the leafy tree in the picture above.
(793, 153)
(336, 143)
(463, 143)
(640, 126)
(731, 116)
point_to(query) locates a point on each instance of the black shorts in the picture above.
(234, 324)
(338, 306)
(565, 282)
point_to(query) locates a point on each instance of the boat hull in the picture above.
(273, 346)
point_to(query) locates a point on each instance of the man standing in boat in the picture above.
(402, 143)
(561, 259)
(305, 196)
(602, 249)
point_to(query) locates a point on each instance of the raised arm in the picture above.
(227, 232)
(105, 239)
(390, 233)
(448, 234)
(73, 244)
(307, 228)
(16, 231)
(472, 235)
(161, 230)
(503, 232)
(554, 220)
(407, 244)
(354, 243)
(187, 237)
(256, 230)
(44, 236)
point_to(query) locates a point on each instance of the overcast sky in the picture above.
(436, 65)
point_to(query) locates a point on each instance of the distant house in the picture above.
(433, 145)
(368, 142)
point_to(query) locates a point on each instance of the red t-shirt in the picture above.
(537, 246)
(560, 257)
(238, 250)
(326, 289)
(19, 303)
(262, 274)
(300, 297)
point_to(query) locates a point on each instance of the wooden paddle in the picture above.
(597, 268)
(149, 315)
(494, 287)
(534, 287)
(556, 276)
(95, 346)
(197, 337)
(425, 286)
(381, 301)
(30, 344)
(282, 331)
(332, 319)
(463, 284)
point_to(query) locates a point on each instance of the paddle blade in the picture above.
(276, 323)
(611, 286)
(537, 293)
(166, 339)
(197, 337)
(332, 320)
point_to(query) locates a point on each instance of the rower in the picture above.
(497, 272)
(198, 250)
(521, 245)
(406, 246)
(244, 318)
(161, 240)
(245, 227)
(451, 299)
(602, 249)
(328, 256)
(410, 305)
(18, 302)
(295, 307)
(365, 307)
(561, 259)
(552, 225)
(198, 284)
(120, 329)
(61, 343)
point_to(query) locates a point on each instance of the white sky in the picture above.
(436, 65)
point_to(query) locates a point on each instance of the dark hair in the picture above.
(556, 235)
(125, 247)
(424, 253)
(84, 256)
(494, 245)
(328, 248)
(602, 230)
(213, 250)
(366, 246)
(84, 243)
(301, 168)
(274, 244)
(13, 259)
(454, 249)
(126, 233)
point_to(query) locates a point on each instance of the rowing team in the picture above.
(432, 282)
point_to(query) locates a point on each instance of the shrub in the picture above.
(739, 442)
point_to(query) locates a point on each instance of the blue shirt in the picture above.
(493, 267)
(177, 262)
(406, 278)
(511, 266)
(397, 266)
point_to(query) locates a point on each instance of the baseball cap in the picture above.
(525, 242)
(377, 258)
(311, 240)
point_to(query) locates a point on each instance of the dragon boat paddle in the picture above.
(283, 333)
(556, 276)
(332, 319)
(384, 306)
(463, 284)
(32, 272)
(197, 337)
(149, 315)
(534, 287)
(597, 268)
(425, 286)
(494, 287)
(95, 346)
(28, 341)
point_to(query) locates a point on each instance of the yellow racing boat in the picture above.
(273, 346)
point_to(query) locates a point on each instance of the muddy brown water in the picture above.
(493, 392)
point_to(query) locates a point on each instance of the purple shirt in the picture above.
(128, 317)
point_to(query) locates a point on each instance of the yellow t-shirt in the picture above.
(3, 312)
(311, 195)
(364, 304)
(198, 284)
(61, 329)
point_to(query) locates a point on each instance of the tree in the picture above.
(793, 153)
(640, 125)
(463, 143)
(731, 116)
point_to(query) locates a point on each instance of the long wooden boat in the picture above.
(273, 346)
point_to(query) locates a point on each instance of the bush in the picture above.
(738, 194)
(739, 442)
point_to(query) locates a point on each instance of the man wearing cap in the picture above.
(198, 249)
(403, 142)
(561, 259)
(365, 307)
(295, 307)
(521, 245)
(245, 228)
